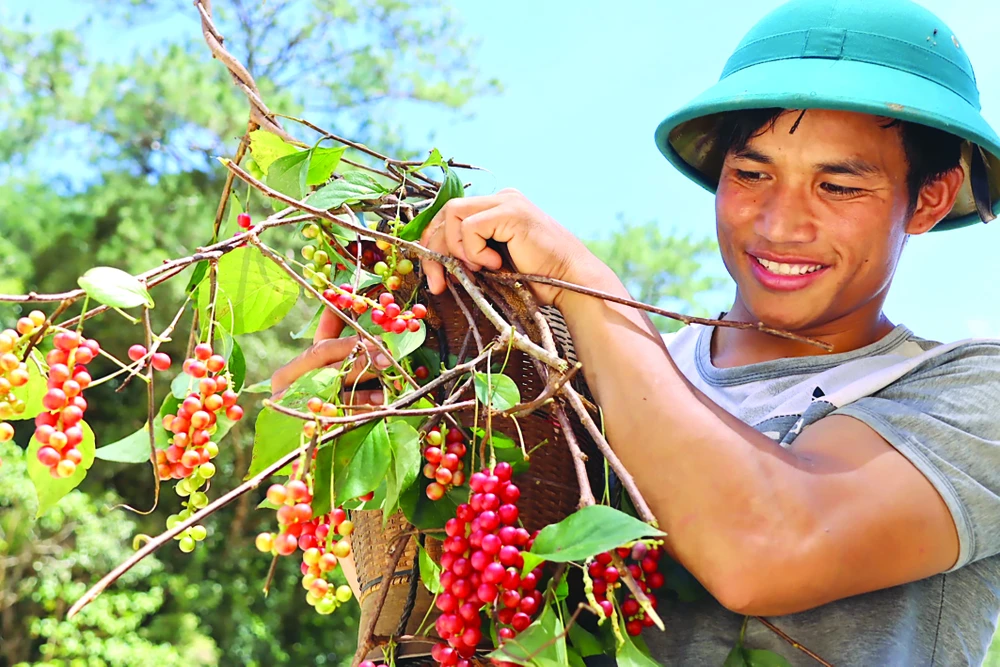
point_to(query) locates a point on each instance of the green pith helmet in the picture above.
(889, 58)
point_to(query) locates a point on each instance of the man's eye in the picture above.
(840, 190)
(749, 176)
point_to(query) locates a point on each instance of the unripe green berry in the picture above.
(172, 521)
(404, 267)
(207, 470)
(326, 606)
(182, 488)
(308, 251)
(198, 499)
(309, 271)
(199, 533)
(344, 593)
(320, 258)
(212, 449)
(311, 231)
(312, 599)
(326, 270)
(381, 268)
(187, 544)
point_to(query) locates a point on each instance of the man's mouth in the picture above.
(786, 269)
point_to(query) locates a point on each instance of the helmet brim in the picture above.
(687, 137)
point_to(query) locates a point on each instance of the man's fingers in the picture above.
(433, 239)
(476, 231)
(362, 397)
(323, 353)
(330, 326)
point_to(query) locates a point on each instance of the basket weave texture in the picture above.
(549, 489)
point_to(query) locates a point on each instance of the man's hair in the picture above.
(930, 153)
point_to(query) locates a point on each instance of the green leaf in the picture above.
(499, 440)
(427, 514)
(511, 455)
(354, 187)
(322, 382)
(575, 659)
(584, 642)
(360, 461)
(505, 393)
(113, 287)
(267, 147)
(262, 387)
(232, 224)
(50, 490)
(322, 162)
(132, 448)
(322, 501)
(182, 385)
(452, 188)
(231, 351)
(629, 655)
(754, 657)
(198, 275)
(253, 293)
(403, 344)
(404, 442)
(288, 176)
(417, 420)
(434, 160)
(309, 330)
(430, 572)
(34, 391)
(588, 532)
(275, 435)
(429, 359)
(537, 645)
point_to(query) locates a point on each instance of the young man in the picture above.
(853, 497)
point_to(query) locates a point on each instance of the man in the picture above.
(853, 497)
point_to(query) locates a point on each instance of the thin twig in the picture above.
(473, 329)
(776, 630)
(579, 459)
(368, 413)
(513, 278)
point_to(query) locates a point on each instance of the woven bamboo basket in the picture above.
(549, 488)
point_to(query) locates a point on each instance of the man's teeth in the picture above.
(788, 269)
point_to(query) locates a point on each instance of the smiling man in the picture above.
(852, 496)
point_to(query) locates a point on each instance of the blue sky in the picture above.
(586, 83)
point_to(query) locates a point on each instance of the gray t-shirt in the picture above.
(938, 406)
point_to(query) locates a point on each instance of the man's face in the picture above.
(832, 195)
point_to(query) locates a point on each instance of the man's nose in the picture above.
(787, 215)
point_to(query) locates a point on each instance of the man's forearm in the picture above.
(719, 488)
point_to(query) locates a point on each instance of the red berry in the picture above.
(421, 373)
(520, 621)
(607, 607)
(136, 352)
(215, 363)
(385, 298)
(234, 413)
(378, 316)
(435, 491)
(286, 543)
(412, 325)
(603, 558)
(54, 399)
(611, 574)
(433, 455)
(634, 628)
(392, 310)
(419, 311)
(398, 326)
(160, 361)
(630, 607)
(202, 351)
(443, 476)
(487, 593)
(298, 491)
(48, 457)
(243, 220)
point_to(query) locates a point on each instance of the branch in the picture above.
(512, 278)
(776, 630)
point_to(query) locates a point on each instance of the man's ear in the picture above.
(935, 200)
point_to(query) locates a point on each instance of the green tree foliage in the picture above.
(658, 268)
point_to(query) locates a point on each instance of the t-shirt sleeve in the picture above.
(944, 417)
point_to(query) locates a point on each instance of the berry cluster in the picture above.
(314, 536)
(385, 312)
(445, 466)
(392, 275)
(481, 566)
(14, 373)
(189, 456)
(57, 428)
(644, 568)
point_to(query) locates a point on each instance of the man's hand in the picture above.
(537, 244)
(329, 350)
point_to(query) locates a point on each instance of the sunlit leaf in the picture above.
(496, 390)
(132, 448)
(451, 188)
(430, 572)
(114, 287)
(404, 442)
(360, 460)
(253, 293)
(588, 532)
(266, 147)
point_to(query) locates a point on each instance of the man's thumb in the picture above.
(330, 326)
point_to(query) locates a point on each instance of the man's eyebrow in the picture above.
(755, 156)
(850, 167)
